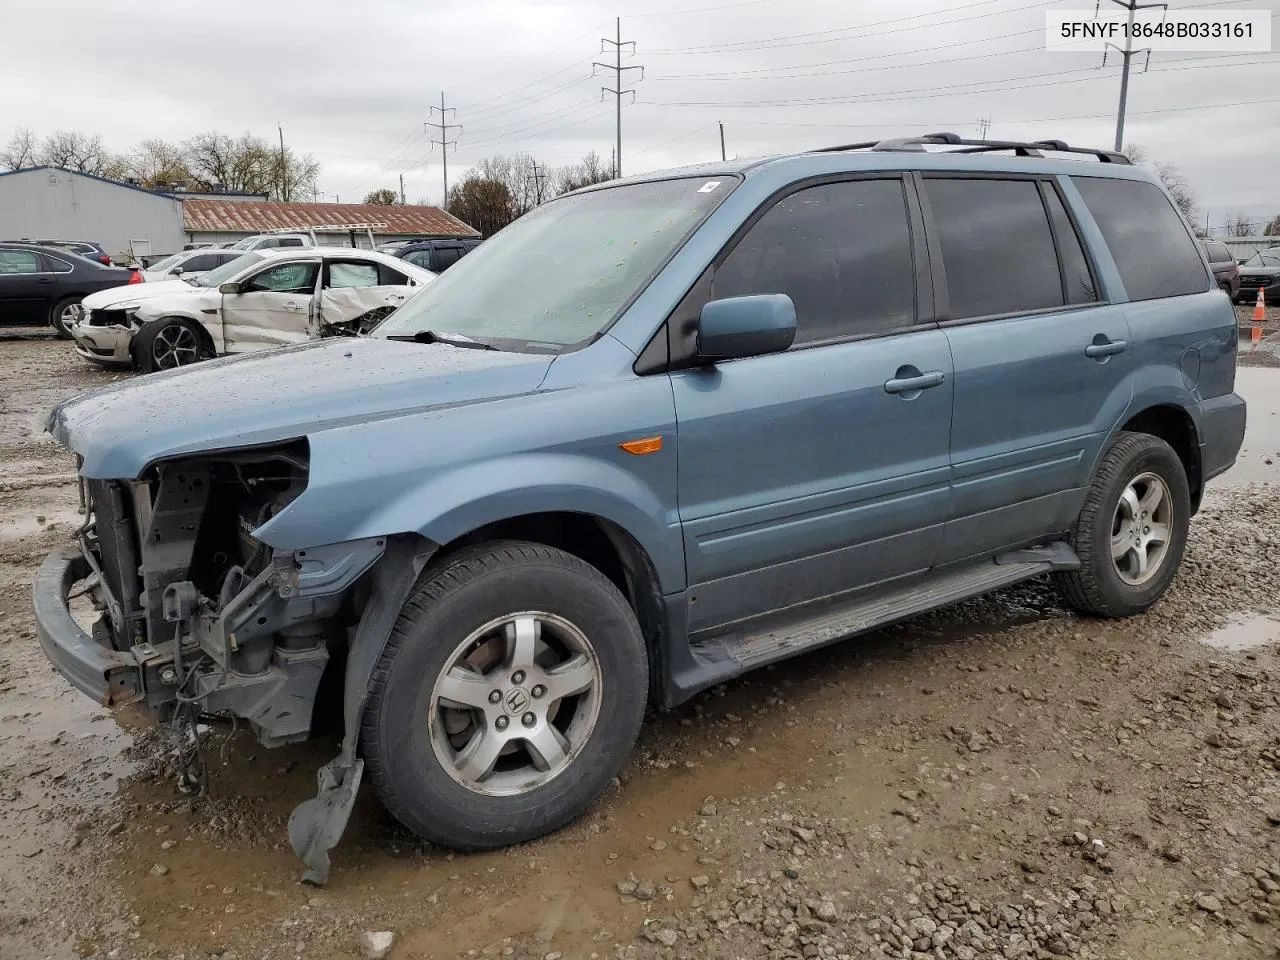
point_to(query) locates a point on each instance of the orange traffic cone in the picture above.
(1259, 317)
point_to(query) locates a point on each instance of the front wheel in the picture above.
(1132, 530)
(509, 694)
(63, 314)
(168, 343)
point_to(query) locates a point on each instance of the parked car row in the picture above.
(257, 300)
(45, 284)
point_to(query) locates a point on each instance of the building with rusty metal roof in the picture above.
(219, 221)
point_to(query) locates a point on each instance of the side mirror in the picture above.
(177, 271)
(230, 287)
(738, 327)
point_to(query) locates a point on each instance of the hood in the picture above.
(106, 299)
(184, 298)
(152, 276)
(278, 395)
(1260, 271)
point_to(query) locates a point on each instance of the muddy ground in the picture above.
(1001, 779)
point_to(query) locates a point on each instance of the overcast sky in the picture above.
(352, 82)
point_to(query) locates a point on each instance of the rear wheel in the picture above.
(1132, 531)
(509, 694)
(64, 313)
(168, 343)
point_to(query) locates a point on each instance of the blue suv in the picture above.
(654, 434)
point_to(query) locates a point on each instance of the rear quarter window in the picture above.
(1148, 239)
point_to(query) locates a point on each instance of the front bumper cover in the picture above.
(111, 344)
(109, 676)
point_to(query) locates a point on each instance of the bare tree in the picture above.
(1173, 179)
(249, 163)
(21, 151)
(482, 202)
(158, 163)
(82, 152)
(384, 197)
(1239, 225)
(1272, 228)
(575, 176)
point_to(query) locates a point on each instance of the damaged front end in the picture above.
(195, 615)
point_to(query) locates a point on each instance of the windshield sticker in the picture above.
(709, 186)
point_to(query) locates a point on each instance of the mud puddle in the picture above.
(1245, 631)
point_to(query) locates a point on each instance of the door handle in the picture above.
(45, 280)
(1101, 348)
(914, 383)
(290, 305)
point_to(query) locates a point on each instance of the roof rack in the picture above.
(1033, 148)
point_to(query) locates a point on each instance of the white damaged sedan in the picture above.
(260, 300)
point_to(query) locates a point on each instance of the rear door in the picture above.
(26, 287)
(273, 307)
(1041, 363)
(824, 469)
(356, 292)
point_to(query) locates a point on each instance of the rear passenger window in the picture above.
(1075, 268)
(997, 249)
(1147, 238)
(841, 251)
(1218, 253)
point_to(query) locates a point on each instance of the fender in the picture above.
(1153, 386)
(467, 497)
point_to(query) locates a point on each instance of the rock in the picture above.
(1172, 852)
(1261, 916)
(645, 890)
(1224, 701)
(628, 886)
(1273, 818)
(911, 796)
(1054, 811)
(659, 845)
(699, 882)
(1208, 903)
(1215, 739)
(826, 911)
(803, 834)
(377, 944)
(168, 844)
(553, 955)
(159, 870)
(708, 809)
(115, 828)
(666, 936)
(733, 742)
(1057, 947)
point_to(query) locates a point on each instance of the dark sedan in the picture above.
(46, 284)
(86, 248)
(1261, 272)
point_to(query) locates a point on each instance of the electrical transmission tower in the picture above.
(539, 177)
(1127, 52)
(617, 68)
(445, 143)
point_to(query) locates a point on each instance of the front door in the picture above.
(1041, 365)
(355, 294)
(822, 470)
(272, 308)
(26, 287)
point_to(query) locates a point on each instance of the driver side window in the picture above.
(285, 278)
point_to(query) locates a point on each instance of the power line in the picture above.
(859, 31)
(444, 127)
(617, 90)
(927, 93)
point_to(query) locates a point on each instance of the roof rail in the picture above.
(1033, 148)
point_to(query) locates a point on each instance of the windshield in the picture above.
(1265, 258)
(561, 274)
(228, 270)
(168, 263)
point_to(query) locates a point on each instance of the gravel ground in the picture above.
(998, 780)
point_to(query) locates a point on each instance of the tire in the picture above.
(61, 313)
(1122, 586)
(416, 748)
(168, 343)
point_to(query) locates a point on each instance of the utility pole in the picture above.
(1127, 52)
(284, 176)
(722, 156)
(984, 124)
(613, 161)
(444, 127)
(617, 68)
(402, 189)
(539, 175)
